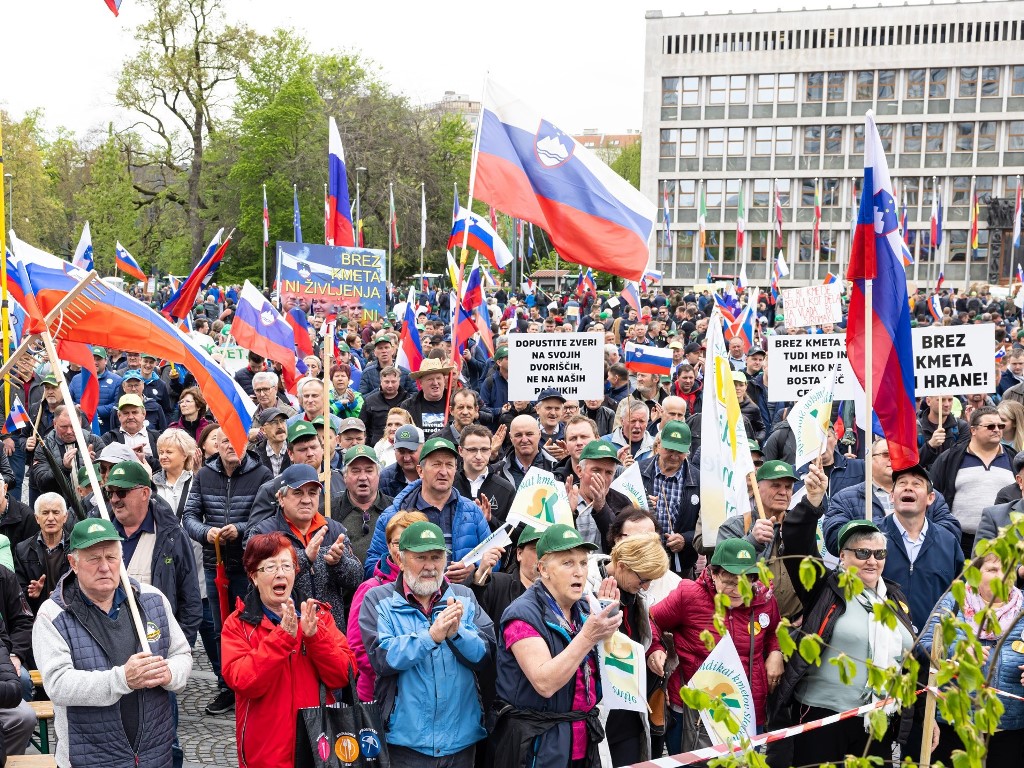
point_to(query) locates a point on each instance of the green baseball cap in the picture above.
(600, 449)
(529, 535)
(344, 347)
(753, 446)
(561, 537)
(676, 437)
(50, 380)
(422, 537)
(100, 352)
(772, 470)
(92, 531)
(501, 353)
(437, 444)
(360, 452)
(736, 556)
(83, 473)
(855, 526)
(128, 474)
(299, 430)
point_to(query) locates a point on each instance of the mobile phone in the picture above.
(605, 603)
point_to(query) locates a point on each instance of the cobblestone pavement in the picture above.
(206, 741)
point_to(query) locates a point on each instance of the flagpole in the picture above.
(4, 316)
(392, 215)
(868, 397)
(970, 239)
(264, 242)
(423, 229)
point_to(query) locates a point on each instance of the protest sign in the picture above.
(958, 360)
(541, 501)
(812, 305)
(498, 538)
(722, 676)
(232, 358)
(624, 671)
(798, 364)
(572, 363)
(631, 485)
(327, 278)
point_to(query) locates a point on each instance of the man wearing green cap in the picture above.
(61, 443)
(362, 503)
(593, 501)
(425, 634)
(100, 679)
(379, 403)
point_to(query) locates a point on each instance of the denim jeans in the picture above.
(238, 587)
(177, 756)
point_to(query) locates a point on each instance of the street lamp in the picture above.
(9, 181)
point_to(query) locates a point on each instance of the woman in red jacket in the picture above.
(690, 609)
(276, 650)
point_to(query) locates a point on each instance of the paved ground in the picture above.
(206, 741)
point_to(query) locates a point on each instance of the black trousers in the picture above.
(832, 743)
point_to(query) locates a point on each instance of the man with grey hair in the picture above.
(611, 354)
(112, 699)
(266, 393)
(632, 438)
(313, 397)
(41, 560)
(60, 442)
(395, 621)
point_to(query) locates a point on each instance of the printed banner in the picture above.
(721, 675)
(623, 672)
(631, 484)
(541, 501)
(326, 279)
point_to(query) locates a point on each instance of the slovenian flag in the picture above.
(631, 295)
(127, 263)
(83, 253)
(260, 328)
(186, 293)
(473, 292)
(17, 418)
(641, 359)
(410, 350)
(482, 239)
(114, 6)
(829, 279)
(1016, 218)
(339, 225)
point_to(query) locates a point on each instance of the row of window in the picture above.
(865, 85)
(916, 192)
(844, 37)
(963, 136)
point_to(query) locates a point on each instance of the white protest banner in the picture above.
(956, 360)
(540, 502)
(623, 671)
(812, 305)
(810, 417)
(631, 485)
(498, 538)
(613, 302)
(722, 676)
(798, 364)
(232, 358)
(572, 363)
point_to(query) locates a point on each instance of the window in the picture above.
(886, 84)
(961, 190)
(885, 134)
(738, 89)
(912, 137)
(833, 139)
(936, 138)
(915, 83)
(964, 137)
(986, 136)
(784, 140)
(735, 142)
(807, 193)
(837, 86)
(716, 142)
(687, 142)
(783, 185)
(713, 193)
(765, 89)
(669, 138)
(1017, 81)
(858, 139)
(983, 186)
(968, 81)
(937, 83)
(666, 187)
(829, 193)
(1015, 135)
(908, 195)
(990, 81)
(787, 87)
(732, 192)
(762, 193)
(691, 91)
(763, 141)
(686, 197)
(865, 86)
(815, 82)
(718, 87)
(669, 91)
(812, 139)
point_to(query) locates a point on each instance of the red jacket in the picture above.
(273, 675)
(689, 609)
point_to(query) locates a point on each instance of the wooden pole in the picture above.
(757, 495)
(328, 349)
(929, 704)
(868, 398)
(4, 308)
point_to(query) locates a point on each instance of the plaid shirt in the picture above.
(669, 491)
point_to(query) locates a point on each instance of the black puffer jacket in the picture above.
(41, 476)
(216, 500)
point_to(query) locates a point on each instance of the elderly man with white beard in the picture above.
(424, 635)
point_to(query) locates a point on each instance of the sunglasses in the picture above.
(366, 523)
(119, 493)
(862, 553)
(993, 427)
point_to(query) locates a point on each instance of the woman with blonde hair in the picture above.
(1012, 414)
(634, 563)
(385, 447)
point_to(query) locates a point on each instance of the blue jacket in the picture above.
(494, 393)
(110, 391)
(430, 700)
(468, 527)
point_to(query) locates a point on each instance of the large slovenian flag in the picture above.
(643, 359)
(127, 263)
(260, 328)
(631, 295)
(530, 169)
(876, 256)
(115, 319)
(339, 228)
(83, 253)
(410, 350)
(184, 298)
(299, 324)
(481, 238)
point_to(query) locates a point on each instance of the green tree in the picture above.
(627, 164)
(106, 201)
(37, 217)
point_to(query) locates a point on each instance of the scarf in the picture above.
(1005, 613)
(885, 646)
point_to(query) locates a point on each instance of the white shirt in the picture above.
(140, 438)
(913, 547)
(475, 485)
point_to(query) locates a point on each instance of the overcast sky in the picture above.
(579, 63)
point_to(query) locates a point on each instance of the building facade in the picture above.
(737, 106)
(607, 146)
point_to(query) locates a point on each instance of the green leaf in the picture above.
(786, 642)
(809, 572)
(972, 575)
(708, 639)
(959, 592)
(879, 723)
(810, 649)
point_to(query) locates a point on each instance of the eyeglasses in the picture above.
(262, 389)
(863, 553)
(478, 451)
(120, 493)
(993, 427)
(883, 454)
(273, 568)
(728, 580)
(758, 462)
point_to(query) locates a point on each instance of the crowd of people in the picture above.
(366, 594)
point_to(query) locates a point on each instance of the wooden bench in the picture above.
(31, 761)
(37, 677)
(44, 713)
